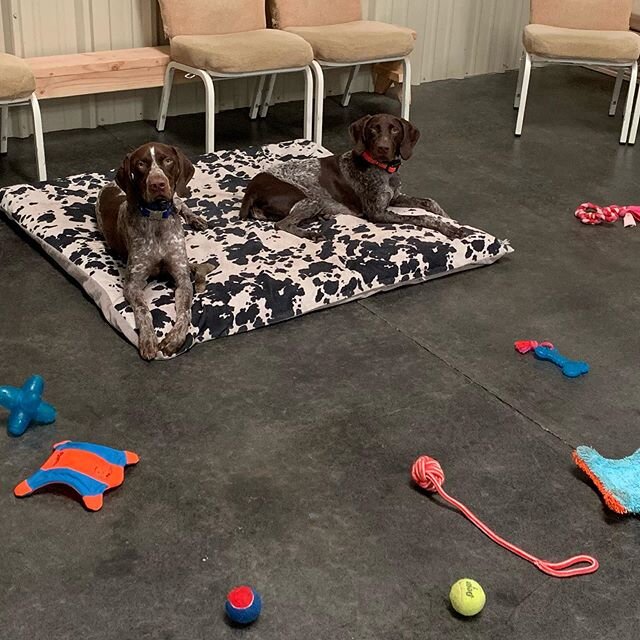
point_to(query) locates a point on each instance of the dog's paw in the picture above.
(314, 236)
(455, 233)
(148, 347)
(199, 223)
(172, 342)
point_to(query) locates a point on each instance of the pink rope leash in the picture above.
(428, 474)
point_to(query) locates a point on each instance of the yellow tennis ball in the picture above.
(467, 597)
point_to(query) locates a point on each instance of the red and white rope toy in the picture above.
(589, 213)
(428, 474)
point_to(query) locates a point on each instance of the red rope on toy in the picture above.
(524, 346)
(428, 474)
(589, 213)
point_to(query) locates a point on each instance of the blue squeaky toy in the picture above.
(546, 351)
(25, 405)
(243, 605)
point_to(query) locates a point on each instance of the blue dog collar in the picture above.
(160, 210)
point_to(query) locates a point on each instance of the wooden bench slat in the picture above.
(94, 72)
(99, 61)
(99, 82)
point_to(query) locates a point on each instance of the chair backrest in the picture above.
(211, 17)
(312, 13)
(601, 15)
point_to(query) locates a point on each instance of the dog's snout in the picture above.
(157, 184)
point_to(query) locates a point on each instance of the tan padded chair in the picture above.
(341, 38)
(580, 32)
(17, 87)
(223, 39)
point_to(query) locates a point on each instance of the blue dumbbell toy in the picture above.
(570, 368)
(546, 351)
(25, 405)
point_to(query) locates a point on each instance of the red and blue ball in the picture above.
(243, 605)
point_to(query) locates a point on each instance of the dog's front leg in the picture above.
(197, 222)
(428, 204)
(134, 285)
(376, 211)
(180, 271)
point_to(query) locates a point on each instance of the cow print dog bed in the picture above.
(261, 276)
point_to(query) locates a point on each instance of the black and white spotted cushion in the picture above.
(262, 276)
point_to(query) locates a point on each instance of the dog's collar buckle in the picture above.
(389, 167)
(157, 211)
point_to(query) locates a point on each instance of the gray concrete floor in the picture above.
(281, 457)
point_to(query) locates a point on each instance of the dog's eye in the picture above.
(142, 165)
(395, 130)
(167, 162)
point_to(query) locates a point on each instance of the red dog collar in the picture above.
(390, 167)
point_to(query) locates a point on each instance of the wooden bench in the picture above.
(94, 72)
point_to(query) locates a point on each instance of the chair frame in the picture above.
(317, 67)
(31, 100)
(633, 132)
(208, 78)
(529, 60)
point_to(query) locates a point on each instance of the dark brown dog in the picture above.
(141, 219)
(362, 182)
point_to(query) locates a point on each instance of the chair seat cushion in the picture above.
(16, 78)
(357, 41)
(558, 42)
(244, 52)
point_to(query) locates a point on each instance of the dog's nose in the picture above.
(157, 184)
(384, 148)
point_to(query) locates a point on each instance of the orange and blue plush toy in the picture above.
(26, 405)
(89, 469)
(617, 480)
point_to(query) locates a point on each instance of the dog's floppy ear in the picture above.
(410, 137)
(356, 131)
(184, 176)
(124, 179)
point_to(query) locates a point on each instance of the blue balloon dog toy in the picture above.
(25, 405)
(546, 351)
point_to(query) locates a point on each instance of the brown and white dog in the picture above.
(141, 219)
(362, 182)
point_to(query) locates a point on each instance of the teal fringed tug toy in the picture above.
(617, 480)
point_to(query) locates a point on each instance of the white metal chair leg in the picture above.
(4, 128)
(629, 105)
(318, 110)
(257, 98)
(210, 111)
(613, 107)
(266, 103)
(346, 96)
(516, 101)
(308, 104)
(526, 76)
(166, 94)
(636, 120)
(406, 87)
(38, 137)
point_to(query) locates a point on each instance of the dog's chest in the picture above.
(153, 237)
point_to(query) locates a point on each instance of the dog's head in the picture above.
(154, 172)
(384, 137)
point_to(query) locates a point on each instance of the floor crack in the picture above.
(465, 375)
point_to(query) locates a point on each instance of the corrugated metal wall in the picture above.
(455, 38)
